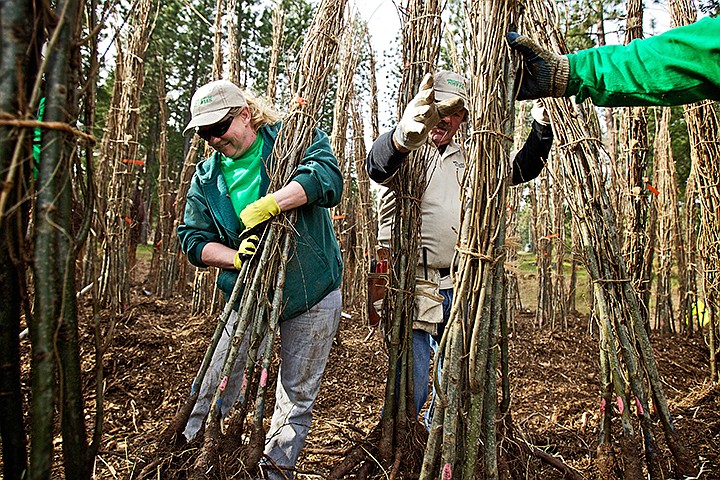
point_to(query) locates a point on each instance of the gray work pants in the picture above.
(305, 346)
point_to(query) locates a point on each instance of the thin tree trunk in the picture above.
(544, 250)
(666, 205)
(278, 24)
(16, 63)
(345, 221)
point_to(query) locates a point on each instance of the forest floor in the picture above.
(157, 347)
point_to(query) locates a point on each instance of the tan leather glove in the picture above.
(422, 114)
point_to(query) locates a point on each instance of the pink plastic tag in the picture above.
(447, 472)
(263, 377)
(621, 406)
(639, 407)
(223, 384)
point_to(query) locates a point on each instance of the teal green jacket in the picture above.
(315, 265)
(677, 67)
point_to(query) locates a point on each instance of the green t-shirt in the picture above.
(242, 176)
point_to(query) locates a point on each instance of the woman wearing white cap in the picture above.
(228, 194)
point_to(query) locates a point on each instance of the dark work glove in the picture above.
(544, 73)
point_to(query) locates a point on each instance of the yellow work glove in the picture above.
(247, 248)
(422, 114)
(259, 211)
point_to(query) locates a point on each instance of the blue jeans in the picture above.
(423, 342)
(305, 346)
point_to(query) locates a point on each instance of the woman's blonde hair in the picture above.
(261, 111)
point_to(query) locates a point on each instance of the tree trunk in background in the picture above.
(633, 190)
(703, 128)
(178, 264)
(345, 215)
(234, 60)
(18, 61)
(543, 250)
(574, 264)
(691, 229)
(163, 262)
(120, 159)
(666, 204)
(366, 220)
(278, 24)
(559, 296)
(374, 117)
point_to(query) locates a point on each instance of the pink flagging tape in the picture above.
(447, 472)
(263, 377)
(640, 410)
(621, 405)
(223, 383)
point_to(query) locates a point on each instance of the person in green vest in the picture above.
(228, 196)
(677, 67)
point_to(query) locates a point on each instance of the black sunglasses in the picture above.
(216, 130)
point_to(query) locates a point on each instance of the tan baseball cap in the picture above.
(212, 102)
(449, 85)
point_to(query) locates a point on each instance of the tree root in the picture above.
(631, 458)
(684, 465)
(207, 464)
(364, 458)
(607, 463)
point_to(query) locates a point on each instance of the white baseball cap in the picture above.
(212, 102)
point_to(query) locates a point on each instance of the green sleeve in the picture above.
(679, 66)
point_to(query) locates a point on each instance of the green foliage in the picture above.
(298, 16)
(711, 7)
(582, 18)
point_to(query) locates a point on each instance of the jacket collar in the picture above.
(215, 189)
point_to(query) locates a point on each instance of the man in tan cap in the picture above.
(429, 123)
(228, 199)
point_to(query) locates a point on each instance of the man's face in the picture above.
(238, 138)
(446, 128)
